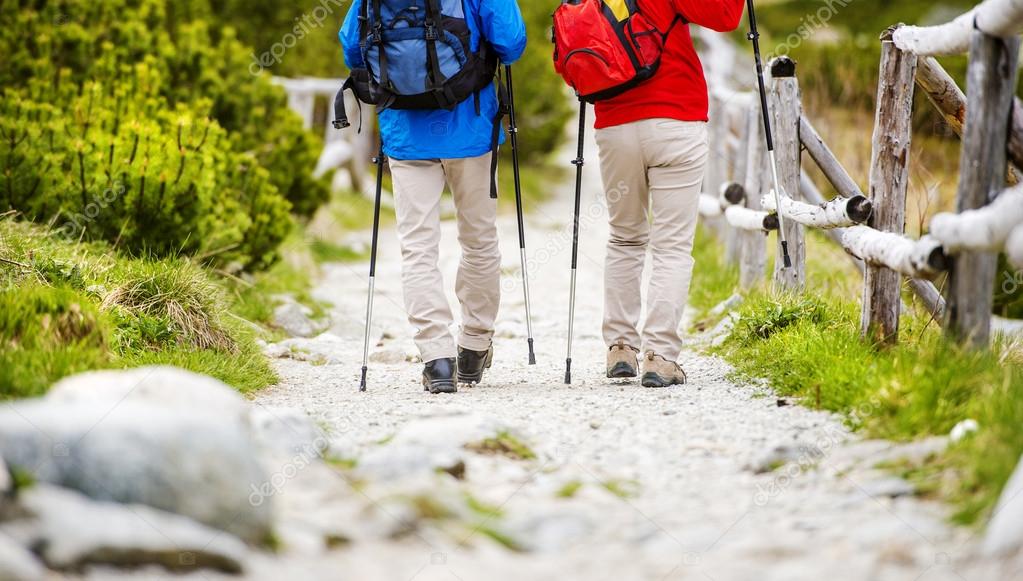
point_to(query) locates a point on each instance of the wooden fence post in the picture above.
(990, 86)
(889, 178)
(754, 244)
(786, 109)
(733, 239)
(717, 162)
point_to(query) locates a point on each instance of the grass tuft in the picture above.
(68, 307)
(505, 444)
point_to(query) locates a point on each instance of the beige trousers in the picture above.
(652, 171)
(418, 185)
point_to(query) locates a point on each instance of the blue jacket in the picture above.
(442, 134)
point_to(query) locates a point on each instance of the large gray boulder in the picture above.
(159, 385)
(1005, 531)
(195, 459)
(17, 563)
(71, 531)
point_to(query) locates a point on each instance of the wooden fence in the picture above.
(346, 151)
(962, 247)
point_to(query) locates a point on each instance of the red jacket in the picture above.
(678, 90)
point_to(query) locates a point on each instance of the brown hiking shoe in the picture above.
(622, 360)
(659, 372)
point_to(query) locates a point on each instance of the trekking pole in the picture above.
(578, 162)
(379, 161)
(513, 129)
(754, 37)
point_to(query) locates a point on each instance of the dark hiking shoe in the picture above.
(439, 376)
(659, 372)
(472, 364)
(622, 360)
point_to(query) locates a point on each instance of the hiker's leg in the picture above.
(479, 273)
(625, 188)
(417, 189)
(677, 154)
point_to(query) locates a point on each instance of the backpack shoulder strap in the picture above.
(678, 18)
(496, 128)
(433, 17)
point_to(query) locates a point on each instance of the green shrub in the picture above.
(542, 102)
(144, 117)
(542, 105)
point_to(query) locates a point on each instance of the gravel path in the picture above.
(681, 483)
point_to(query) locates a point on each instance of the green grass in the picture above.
(714, 280)
(538, 183)
(506, 444)
(809, 349)
(622, 488)
(569, 489)
(482, 508)
(67, 307)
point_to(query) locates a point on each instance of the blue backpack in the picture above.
(418, 55)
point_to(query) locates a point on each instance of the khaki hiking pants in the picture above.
(652, 172)
(418, 185)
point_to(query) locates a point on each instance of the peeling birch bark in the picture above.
(837, 213)
(1014, 247)
(985, 228)
(922, 258)
(710, 207)
(750, 220)
(1001, 18)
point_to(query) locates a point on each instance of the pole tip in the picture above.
(785, 255)
(362, 382)
(532, 356)
(568, 371)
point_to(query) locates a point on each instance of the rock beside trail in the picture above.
(803, 453)
(6, 482)
(891, 487)
(549, 531)
(17, 563)
(323, 349)
(191, 453)
(295, 319)
(1005, 531)
(287, 431)
(163, 386)
(70, 531)
(435, 442)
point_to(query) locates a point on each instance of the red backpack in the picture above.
(603, 48)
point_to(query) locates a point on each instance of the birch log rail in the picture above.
(837, 213)
(922, 258)
(959, 250)
(987, 228)
(998, 18)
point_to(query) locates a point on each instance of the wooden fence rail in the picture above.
(960, 247)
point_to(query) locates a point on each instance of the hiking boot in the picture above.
(622, 360)
(439, 376)
(471, 364)
(659, 372)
